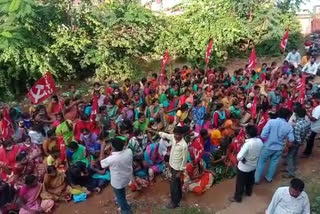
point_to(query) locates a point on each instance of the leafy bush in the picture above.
(106, 39)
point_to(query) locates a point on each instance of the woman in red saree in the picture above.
(8, 153)
(196, 179)
(234, 148)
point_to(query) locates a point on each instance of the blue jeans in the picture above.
(273, 156)
(122, 201)
(292, 159)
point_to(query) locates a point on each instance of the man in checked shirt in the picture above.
(300, 130)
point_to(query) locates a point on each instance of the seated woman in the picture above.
(64, 129)
(90, 140)
(140, 179)
(25, 166)
(34, 154)
(234, 148)
(196, 178)
(100, 176)
(55, 159)
(182, 115)
(227, 129)
(79, 179)
(219, 116)
(8, 153)
(55, 187)
(153, 160)
(29, 196)
(137, 144)
(49, 143)
(8, 198)
(77, 152)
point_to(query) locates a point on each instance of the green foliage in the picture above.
(121, 32)
(233, 24)
(187, 35)
(106, 39)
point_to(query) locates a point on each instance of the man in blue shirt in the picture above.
(294, 57)
(275, 132)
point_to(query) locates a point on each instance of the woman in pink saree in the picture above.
(29, 195)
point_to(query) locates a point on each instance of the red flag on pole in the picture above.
(291, 99)
(284, 41)
(62, 147)
(302, 89)
(208, 52)
(42, 89)
(241, 136)
(95, 107)
(263, 121)
(252, 60)
(164, 62)
(253, 108)
(6, 125)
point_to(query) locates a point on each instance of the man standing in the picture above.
(177, 162)
(276, 132)
(290, 199)
(248, 159)
(315, 126)
(120, 165)
(300, 129)
(294, 57)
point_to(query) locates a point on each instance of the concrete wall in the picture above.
(305, 21)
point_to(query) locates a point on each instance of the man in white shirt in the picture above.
(315, 126)
(311, 67)
(294, 57)
(290, 200)
(120, 165)
(177, 162)
(248, 159)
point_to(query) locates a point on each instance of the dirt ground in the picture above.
(215, 200)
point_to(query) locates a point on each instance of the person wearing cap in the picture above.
(315, 126)
(177, 162)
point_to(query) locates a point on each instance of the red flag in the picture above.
(208, 52)
(263, 121)
(95, 107)
(42, 89)
(164, 62)
(6, 125)
(290, 100)
(252, 60)
(241, 136)
(302, 89)
(62, 147)
(253, 108)
(284, 41)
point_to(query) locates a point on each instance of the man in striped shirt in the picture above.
(300, 130)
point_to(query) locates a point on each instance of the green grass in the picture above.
(313, 190)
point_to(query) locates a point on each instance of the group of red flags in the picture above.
(45, 86)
